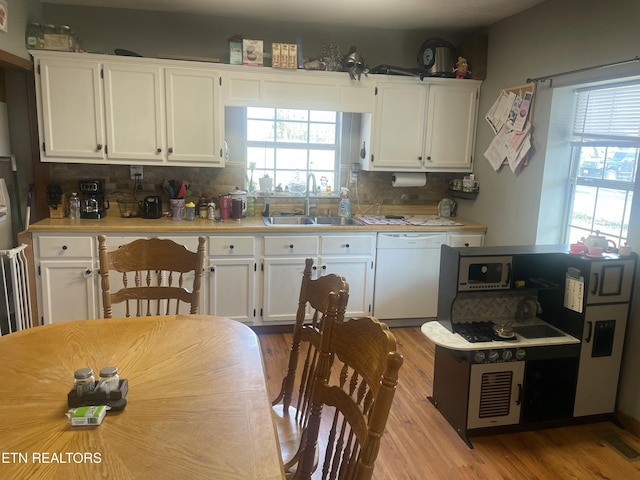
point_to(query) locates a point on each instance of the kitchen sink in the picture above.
(537, 331)
(336, 221)
(269, 221)
(310, 221)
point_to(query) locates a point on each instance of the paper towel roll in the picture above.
(409, 179)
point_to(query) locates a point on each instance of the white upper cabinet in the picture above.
(71, 118)
(134, 112)
(451, 126)
(394, 135)
(421, 126)
(195, 132)
(128, 111)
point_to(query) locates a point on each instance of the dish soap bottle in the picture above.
(344, 207)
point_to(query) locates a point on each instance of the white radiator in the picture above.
(15, 304)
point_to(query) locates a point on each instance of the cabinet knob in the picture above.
(170, 150)
(347, 245)
(420, 158)
(230, 247)
(99, 147)
(429, 158)
(64, 247)
(466, 244)
(314, 267)
(324, 267)
(291, 245)
(158, 150)
(212, 269)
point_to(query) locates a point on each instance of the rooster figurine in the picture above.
(354, 64)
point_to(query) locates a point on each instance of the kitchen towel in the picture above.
(409, 179)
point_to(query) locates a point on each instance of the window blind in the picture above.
(606, 116)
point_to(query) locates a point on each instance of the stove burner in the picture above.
(476, 332)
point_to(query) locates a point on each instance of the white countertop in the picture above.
(439, 335)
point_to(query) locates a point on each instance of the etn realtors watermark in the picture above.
(50, 457)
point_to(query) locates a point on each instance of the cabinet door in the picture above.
(71, 113)
(358, 270)
(194, 117)
(134, 108)
(68, 290)
(281, 288)
(231, 288)
(600, 357)
(398, 128)
(451, 126)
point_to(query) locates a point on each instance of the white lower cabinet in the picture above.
(232, 277)
(66, 266)
(283, 265)
(351, 256)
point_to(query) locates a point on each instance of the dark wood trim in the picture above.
(9, 60)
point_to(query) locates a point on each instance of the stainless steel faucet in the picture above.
(307, 202)
(528, 307)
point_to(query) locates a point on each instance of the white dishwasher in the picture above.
(407, 275)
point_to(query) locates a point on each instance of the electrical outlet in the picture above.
(136, 172)
(353, 177)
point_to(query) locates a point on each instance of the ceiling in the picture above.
(457, 15)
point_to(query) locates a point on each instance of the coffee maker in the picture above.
(93, 201)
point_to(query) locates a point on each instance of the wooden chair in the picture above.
(152, 270)
(291, 420)
(362, 354)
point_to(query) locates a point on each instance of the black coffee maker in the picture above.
(93, 201)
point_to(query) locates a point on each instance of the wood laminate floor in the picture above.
(419, 444)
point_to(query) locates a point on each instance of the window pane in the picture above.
(291, 159)
(584, 202)
(262, 157)
(322, 116)
(609, 211)
(291, 132)
(322, 133)
(289, 114)
(259, 131)
(620, 164)
(322, 159)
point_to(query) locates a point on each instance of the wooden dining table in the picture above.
(197, 403)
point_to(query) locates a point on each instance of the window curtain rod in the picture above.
(580, 70)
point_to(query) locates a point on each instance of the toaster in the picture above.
(152, 207)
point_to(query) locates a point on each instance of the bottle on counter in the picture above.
(203, 206)
(344, 206)
(109, 380)
(74, 206)
(84, 381)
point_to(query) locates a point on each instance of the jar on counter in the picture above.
(34, 38)
(203, 206)
(74, 206)
(109, 380)
(84, 381)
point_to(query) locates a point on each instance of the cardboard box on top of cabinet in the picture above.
(252, 52)
(284, 55)
(235, 53)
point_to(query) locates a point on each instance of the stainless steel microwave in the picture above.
(484, 273)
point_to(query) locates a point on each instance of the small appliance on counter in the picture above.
(93, 201)
(152, 207)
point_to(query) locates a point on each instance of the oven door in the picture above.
(495, 394)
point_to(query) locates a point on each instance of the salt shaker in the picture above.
(84, 381)
(109, 379)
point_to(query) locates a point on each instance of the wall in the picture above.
(526, 208)
(21, 12)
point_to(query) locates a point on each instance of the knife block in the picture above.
(60, 209)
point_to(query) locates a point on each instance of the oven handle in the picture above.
(588, 339)
(520, 392)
